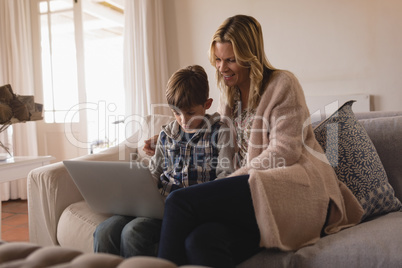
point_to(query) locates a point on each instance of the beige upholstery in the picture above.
(57, 213)
(80, 221)
(24, 255)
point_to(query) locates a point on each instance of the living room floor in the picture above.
(14, 221)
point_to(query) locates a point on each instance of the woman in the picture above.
(280, 194)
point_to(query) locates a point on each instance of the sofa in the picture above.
(58, 214)
(30, 255)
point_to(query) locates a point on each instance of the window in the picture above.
(82, 64)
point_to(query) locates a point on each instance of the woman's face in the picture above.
(233, 73)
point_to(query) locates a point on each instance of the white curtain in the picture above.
(16, 68)
(145, 56)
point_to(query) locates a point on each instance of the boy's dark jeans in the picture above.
(211, 224)
(128, 236)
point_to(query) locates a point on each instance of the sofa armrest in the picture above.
(51, 190)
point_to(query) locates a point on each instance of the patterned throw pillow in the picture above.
(354, 158)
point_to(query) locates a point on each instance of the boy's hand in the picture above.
(150, 145)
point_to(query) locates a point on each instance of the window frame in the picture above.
(80, 59)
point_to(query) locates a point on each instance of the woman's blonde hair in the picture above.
(187, 87)
(245, 35)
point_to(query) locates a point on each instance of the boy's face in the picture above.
(191, 119)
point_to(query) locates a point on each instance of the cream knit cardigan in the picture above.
(291, 181)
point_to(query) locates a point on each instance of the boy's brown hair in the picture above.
(188, 87)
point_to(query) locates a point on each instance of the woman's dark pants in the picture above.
(211, 224)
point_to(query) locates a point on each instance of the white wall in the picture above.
(333, 46)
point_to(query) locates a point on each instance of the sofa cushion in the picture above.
(76, 226)
(15, 251)
(46, 257)
(269, 258)
(374, 243)
(94, 260)
(385, 133)
(356, 162)
(23, 255)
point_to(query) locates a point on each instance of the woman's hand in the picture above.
(150, 145)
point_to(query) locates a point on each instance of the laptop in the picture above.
(123, 188)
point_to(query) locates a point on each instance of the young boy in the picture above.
(193, 149)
